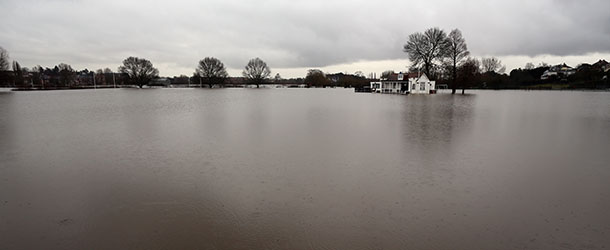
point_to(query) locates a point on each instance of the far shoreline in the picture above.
(440, 91)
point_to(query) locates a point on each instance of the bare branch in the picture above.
(257, 71)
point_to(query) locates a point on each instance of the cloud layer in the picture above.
(289, 34)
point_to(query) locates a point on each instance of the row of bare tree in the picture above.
(139, 72)
(213, 72)
(210, 71)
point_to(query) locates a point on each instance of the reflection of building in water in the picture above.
(404, 83)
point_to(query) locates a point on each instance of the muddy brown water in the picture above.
(304, 169)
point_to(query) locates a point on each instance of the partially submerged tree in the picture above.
(317, 78)
(256, 72)
(468, 73)
(426, 49)
(139, 70)
(492, 64)
(456, 52)
(212, 71)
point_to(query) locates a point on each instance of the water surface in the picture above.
(304, 169)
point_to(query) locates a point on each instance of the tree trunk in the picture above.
(427, 71)
(454, 78)
(454, 87)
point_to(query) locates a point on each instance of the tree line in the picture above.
(134, 71)
(140, 72)
(445, 58)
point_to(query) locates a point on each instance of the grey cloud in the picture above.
(289, 34)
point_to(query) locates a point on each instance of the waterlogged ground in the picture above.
(304, 169)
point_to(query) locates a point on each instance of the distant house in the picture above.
(602, 65)
(561, 71)
(404, 83)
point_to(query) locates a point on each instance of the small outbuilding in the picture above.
(404, 83)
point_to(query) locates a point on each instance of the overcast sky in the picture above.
(292, 36)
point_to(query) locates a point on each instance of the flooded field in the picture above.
(304, 169)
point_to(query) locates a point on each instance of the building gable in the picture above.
(423, 78)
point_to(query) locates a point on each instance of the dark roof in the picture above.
(601, 63)
(406, 76)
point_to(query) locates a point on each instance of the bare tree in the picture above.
(529, 66)
(456, 52)
(4, 59)
(16, 66)
(212, 71)
(492, 64)
(100, 77)
(67, 75)
(18, 79)
(425, 49)
(37, 78)
(256, 71)
(139, 70)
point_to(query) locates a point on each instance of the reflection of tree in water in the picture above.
(8, 116)
(432, 128)
(431, 122)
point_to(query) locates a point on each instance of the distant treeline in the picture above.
(445, 58)
(138, 72)
(64, 77)
(543, 76)
(452, 68)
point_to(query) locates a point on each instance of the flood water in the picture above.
(304, 169)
